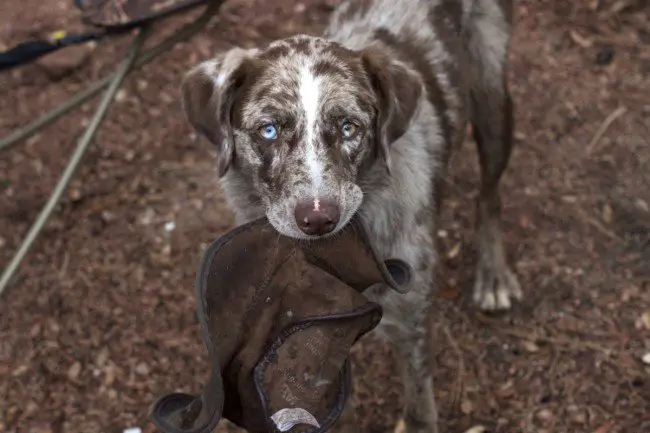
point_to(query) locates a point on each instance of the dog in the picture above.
(361, 122)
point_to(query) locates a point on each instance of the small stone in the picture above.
(544, 415)
(170, 226)
(133, 430)
(142, 369)
(646, 358)
(577, 415)
(108, 216)
(121, 95)
(642, 205)
(146, 217)
(530, 346)
(477, 429)
(300, 8)
(75, 194)
(645, 320)
(466, 407)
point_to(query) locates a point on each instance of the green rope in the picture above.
(76, 157)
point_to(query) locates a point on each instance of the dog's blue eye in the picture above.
(269, 132)
(349, 129)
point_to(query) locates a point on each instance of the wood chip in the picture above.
(645, 319)
(74, 371)
(530, 346)
(580, 40)
(453, 252)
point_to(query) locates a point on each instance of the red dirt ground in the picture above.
(100, 319)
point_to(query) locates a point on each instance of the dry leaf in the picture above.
(580, 40)
(607, 213)
(530, 346)
(645, 319)
(109, 377)
(453, 252)
(604, 428)
(507, 390)
(102, 357)
(20, 371)
(74, 371)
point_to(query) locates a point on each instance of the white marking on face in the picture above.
(316, 205)
(309, 94)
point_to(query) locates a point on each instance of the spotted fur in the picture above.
(409, 75)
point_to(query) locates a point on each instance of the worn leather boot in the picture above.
(279, 317)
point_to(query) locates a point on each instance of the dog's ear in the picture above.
(398, 91)
(207, 94)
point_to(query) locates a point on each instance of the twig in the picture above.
(457, 393)
(559, 341)
(603, 128)
(76, 157)
(78, 99)
(598, 225)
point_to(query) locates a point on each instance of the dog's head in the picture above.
(299, 120)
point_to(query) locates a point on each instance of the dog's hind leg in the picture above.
(492, 123)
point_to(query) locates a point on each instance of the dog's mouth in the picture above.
(303, 217)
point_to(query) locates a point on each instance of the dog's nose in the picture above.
(317, 217)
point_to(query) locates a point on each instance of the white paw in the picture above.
(495, 288)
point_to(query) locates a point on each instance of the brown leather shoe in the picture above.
(279, 317)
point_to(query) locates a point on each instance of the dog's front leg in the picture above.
(420, 412)
(406, 326)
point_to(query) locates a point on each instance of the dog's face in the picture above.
(299, 120)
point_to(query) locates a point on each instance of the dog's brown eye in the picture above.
(349, 130)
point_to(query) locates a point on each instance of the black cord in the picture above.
(29, 51)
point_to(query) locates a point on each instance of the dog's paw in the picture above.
(495, 288)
